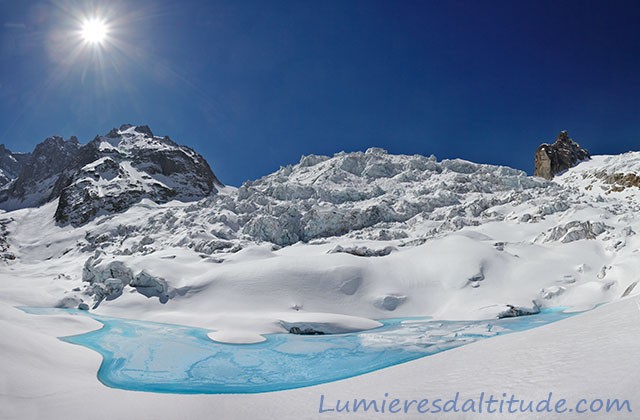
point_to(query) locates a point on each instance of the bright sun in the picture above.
(94, 31)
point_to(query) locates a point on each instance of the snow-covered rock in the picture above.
(109, 174)
(514, 311)
(363, 251)
(131, 164)
(42, 175)
(11, 164)
(575, 231)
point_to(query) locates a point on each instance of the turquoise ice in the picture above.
(155, 357)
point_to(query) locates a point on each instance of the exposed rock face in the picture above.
(563, 154)
(128, 165)
(39, 173)
(10, 164)
(306, 331)
(619, 181)
(5, 253)
(514, 311)
(109, 174)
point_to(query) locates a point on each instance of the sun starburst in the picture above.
(94, 31)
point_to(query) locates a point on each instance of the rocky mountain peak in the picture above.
(57, 142)
(563, 136)
(35, 182)
(564, 153)
(108, 174)
(144, 129)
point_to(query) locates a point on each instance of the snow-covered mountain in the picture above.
(108, 175)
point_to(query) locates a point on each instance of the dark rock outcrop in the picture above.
(108, 175)
(564, 153)
(514, 311)
(618, 181)
(5, 253)
(36, 181)
(10, 164)
(306, 331)
(128, 165)
(362, 251)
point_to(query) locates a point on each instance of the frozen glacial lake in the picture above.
(155, 357)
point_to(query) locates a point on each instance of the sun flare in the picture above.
(94, 31)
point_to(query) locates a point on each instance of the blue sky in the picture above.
(253, 85)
